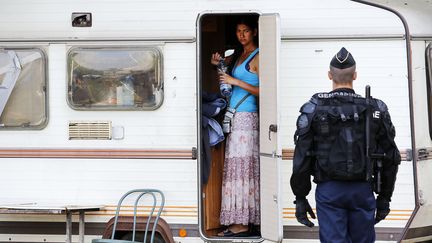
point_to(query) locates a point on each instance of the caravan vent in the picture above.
(98, 130)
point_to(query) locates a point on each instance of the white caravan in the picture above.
(101, 97)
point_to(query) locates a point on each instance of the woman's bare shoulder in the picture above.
(255, 60)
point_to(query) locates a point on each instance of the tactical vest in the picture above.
(340, 138)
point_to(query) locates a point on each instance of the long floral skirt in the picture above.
(241, 178)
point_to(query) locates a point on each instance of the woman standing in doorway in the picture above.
(241, 180)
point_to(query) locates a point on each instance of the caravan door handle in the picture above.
(272, 155)
(272, 128)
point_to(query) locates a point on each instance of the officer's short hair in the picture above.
(345, 75)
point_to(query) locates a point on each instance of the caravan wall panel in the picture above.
(50, 19)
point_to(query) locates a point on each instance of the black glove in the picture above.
(382, 209)
(302, 208)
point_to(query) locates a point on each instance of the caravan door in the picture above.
(271, 192)
(419, 227)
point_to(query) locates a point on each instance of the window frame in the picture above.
(428, 63)
(156, 49)
(42, 51)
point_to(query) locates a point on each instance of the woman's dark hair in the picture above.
(252, 23)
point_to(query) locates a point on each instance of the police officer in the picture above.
(331, 143)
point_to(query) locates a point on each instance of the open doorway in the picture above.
(217, 33)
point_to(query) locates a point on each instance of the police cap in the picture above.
(343, 59)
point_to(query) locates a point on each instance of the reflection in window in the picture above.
(115, 78)
(22, 89)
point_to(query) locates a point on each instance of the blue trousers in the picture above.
(346, 212)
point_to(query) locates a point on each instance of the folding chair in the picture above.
(142, 193)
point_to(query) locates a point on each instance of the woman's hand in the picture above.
(215, 58)
(227, 79)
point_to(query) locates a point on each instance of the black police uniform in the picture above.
(331, 145)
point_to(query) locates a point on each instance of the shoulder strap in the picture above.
(252, 55)
(241, 101)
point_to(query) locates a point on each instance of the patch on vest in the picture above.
(337, 93)
(376, 114)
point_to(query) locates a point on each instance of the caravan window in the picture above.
(115, 78)
(22, 88)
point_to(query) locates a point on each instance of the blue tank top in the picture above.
(240, 72)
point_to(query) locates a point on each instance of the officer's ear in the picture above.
(330, 76)
(355, 76)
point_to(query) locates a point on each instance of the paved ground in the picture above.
(317, 241)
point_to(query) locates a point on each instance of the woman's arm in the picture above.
(253, 65)
(225, 78)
